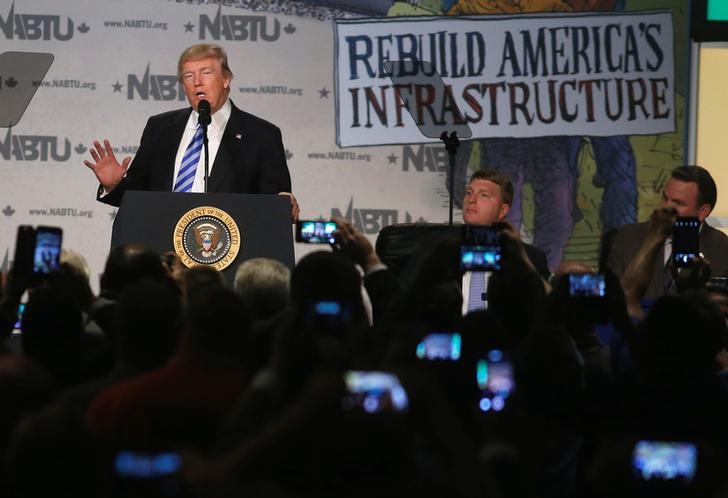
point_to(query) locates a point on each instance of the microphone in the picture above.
(203, 108)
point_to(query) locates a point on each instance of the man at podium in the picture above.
(246, 153)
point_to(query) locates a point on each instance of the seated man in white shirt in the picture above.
(488, 198)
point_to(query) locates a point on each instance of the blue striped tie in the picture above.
(188, 168)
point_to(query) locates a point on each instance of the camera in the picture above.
(587, 292)
(374, 392)
(37, 250)
(315, 231)
(664, 461)
(440, 346)
(685, 241)
(496, 381)
(587, 285)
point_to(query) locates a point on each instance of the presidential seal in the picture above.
(207, 236)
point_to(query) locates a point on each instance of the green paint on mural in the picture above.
(717, 10)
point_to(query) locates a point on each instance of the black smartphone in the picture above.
(664, 460)
(496, 380)
(315, 231)
(587, 285)
(685, 240)
(440, 346)
(374, 392)
(24, 250)
(47, 251)
(480, 258)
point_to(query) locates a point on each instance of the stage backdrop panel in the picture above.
(115, 65)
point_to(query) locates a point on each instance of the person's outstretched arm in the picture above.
(638, 273)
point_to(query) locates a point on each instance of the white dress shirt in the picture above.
(214, 136)
(466, 290)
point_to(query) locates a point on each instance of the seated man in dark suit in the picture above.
(487, 200)
(246, 153)
(690, 191)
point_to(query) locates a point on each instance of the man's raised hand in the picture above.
(105, 166)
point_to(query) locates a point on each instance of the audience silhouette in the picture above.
(286, 384)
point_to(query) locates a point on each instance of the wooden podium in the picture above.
(169, 221)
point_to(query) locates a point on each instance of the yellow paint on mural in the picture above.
(465, 7)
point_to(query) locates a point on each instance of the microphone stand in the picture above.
(207, 154)
(204, 118)
(451, 146)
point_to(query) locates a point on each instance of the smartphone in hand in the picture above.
(685, 241)
(315, 231)
(47, 250)
(480, 258)
(664, 460)
(374, 392)
(37, 250)
(440, 346)
(496, 380)
(587, 285)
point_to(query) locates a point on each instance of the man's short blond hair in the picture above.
(505, 184)
(203, 51)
